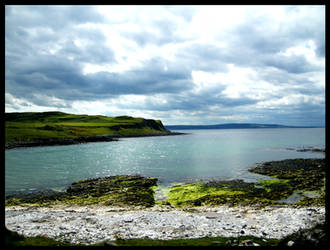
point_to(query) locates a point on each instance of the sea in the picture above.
(199, 155)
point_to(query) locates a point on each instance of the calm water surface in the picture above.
(202, 154)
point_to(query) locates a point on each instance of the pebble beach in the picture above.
(93, 224)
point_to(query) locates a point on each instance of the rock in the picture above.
(91, 220)
(246, 243)
(315, 236)
(41, 219)
(211, 217)
(197, 203)
(110, 244)
(38, 196)
(119, 190)
(128, 224)
(290, 243)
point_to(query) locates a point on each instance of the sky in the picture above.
(181, 64)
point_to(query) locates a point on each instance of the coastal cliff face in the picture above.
(57, 128)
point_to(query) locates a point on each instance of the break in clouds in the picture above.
(180, 64)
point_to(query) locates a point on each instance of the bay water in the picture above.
(222, 154)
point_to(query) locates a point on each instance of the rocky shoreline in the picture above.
(124, 207)
(81, 139)
(309, 149)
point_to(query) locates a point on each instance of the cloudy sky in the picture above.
(180, 64)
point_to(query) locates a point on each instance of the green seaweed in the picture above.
(277, 184)
(198, 193)
(304, 175)
(232, 193)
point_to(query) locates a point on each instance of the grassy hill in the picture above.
(30, 128)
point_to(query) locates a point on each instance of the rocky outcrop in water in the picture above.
(303, 173)
(315, 150)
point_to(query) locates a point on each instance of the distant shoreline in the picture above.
(234, 126)
(80, 140)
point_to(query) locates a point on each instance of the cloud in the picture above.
(55, 65)
(182, 64)
(54, 17)
(159, 33)
(63, 78)
(292, 64)
(150, 79)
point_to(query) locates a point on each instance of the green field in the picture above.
(32, 126)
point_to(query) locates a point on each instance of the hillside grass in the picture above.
(30, 126)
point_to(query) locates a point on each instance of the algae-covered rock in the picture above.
(302, 175)
(41, 197)
(233, 192)
(292, 175)
(288, 169)
(115, 190)
(121, 190)
(306, 174)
